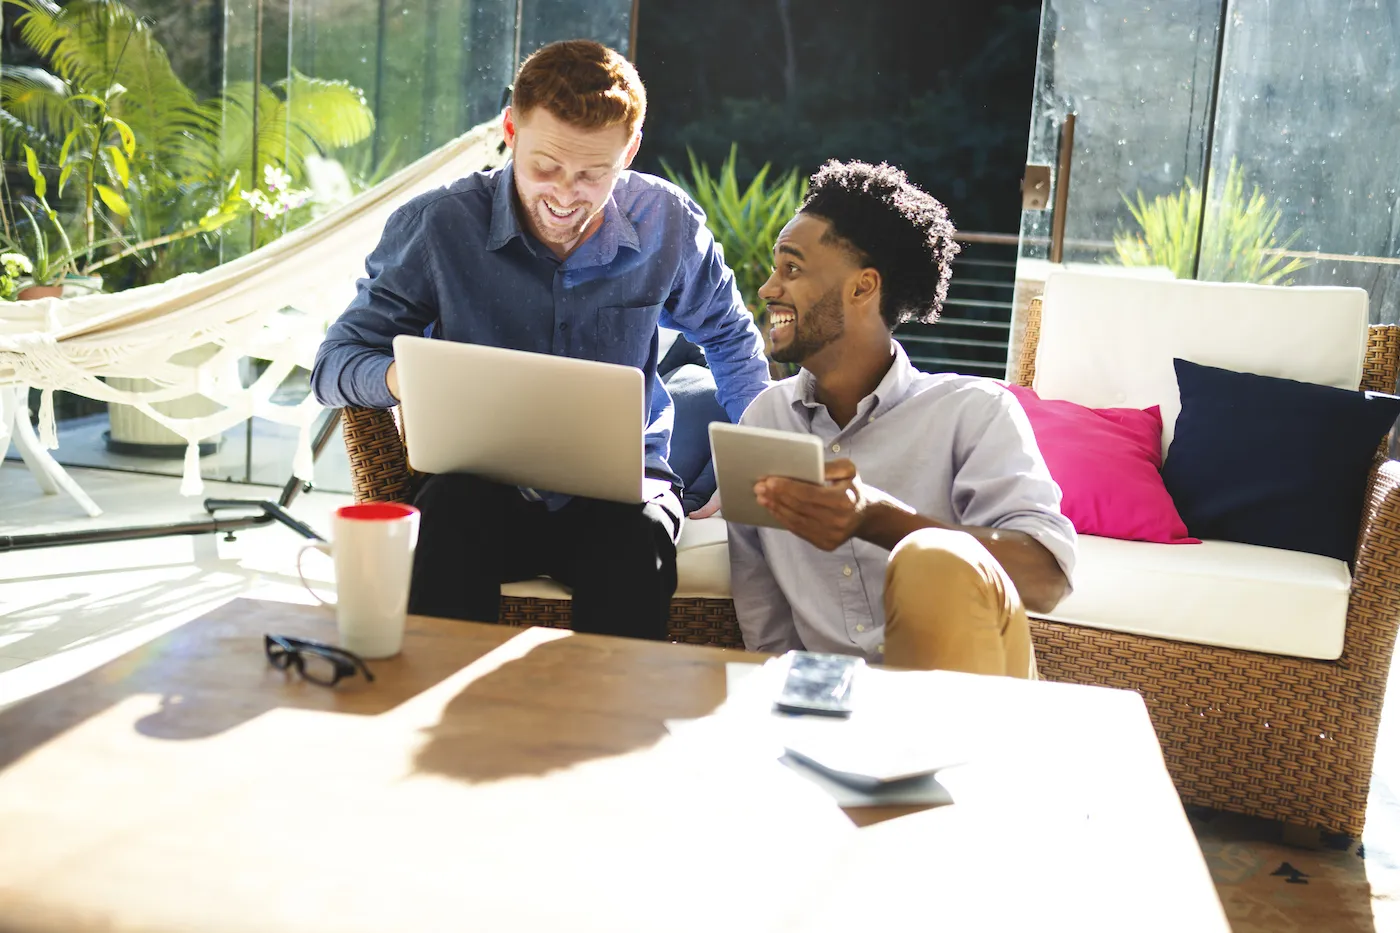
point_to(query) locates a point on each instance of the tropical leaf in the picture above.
(324, 115)
(31, 162)
(63, 153)
(121, 168)
(745, 223)
(1240, 243)
(38, 101)
(114, 201)
(233, 112)
(94, 44)
(319, 116)
(128, 137)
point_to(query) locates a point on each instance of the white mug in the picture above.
(372, 546)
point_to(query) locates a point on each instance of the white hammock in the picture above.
(186, 335)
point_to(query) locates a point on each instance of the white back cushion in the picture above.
(1108, 341)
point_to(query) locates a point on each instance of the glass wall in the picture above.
(1137, 75)
(1309, 114)
(347, 91)
(1299, 144)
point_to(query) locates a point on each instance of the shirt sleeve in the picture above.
(765, 617)
(1002, 480)
(398, 295)
(706, 306)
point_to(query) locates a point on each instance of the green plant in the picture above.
(184, 157)
(1240, 243)
(50, 265)
(744, 222)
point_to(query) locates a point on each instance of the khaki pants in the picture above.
(950, 606)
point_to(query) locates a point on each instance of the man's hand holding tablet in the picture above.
(745, 455)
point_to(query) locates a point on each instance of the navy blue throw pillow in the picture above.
(1273, 462)
(692, 389)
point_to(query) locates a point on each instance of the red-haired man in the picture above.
(563, 251)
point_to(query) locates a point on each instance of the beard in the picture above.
(816, 328)
(547, 228)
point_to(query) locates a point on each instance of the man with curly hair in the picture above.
(938, 524)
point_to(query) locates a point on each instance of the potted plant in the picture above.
(52, 257)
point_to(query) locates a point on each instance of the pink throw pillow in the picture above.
(1108, 464)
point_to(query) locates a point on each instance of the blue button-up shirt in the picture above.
(458, 258)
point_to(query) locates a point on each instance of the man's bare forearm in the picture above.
(1030, 565)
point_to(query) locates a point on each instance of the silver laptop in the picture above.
(529, 419)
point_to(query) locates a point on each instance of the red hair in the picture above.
(583, 83)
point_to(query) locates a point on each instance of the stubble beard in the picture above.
(822, 325)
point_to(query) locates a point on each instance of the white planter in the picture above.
(133, 432)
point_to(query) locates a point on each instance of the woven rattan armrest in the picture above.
(378, 459)
(1374, 609)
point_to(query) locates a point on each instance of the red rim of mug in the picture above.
(376, 512)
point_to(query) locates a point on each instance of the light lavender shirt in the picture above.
(958, 449)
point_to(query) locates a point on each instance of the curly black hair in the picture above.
(893, 226)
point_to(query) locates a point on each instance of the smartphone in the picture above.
(818, 683)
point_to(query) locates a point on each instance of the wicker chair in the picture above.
(1283, 738)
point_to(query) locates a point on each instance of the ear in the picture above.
(508, 126)
(632, 149)
(865, 291)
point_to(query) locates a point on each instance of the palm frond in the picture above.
(94, 44)
(38, 101)
(233, 114)
(324, 115)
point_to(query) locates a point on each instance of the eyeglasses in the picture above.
(319, 663)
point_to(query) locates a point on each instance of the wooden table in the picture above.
(494, 779)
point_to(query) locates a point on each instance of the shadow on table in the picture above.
(211, 675)
(566, 701)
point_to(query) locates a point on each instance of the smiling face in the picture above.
(806, 311)
(565, 174)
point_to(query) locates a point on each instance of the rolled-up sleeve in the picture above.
(1002, 480)
(398, 295)
(706, 306)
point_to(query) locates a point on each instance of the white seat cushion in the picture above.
(1215, 593)
(702, 566)
(1108, 341)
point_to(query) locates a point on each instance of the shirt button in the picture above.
(880, 648)
(846, 570)
(564, 326)
(836, 448)
(860, 628)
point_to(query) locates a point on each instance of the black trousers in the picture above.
(475, 534)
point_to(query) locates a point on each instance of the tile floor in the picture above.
(64, 610)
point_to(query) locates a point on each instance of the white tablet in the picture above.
(745, 455)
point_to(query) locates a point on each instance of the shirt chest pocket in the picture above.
(624, 334)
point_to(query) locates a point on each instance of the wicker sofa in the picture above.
(1287, 738)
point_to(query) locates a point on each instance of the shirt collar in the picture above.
(600, 249)
(505, 225)
(892, 390)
